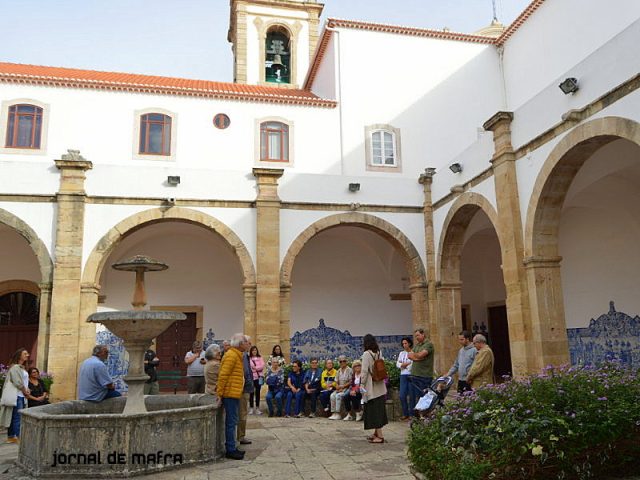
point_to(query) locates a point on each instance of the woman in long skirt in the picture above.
(375, 413)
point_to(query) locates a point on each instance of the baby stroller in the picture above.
(433, 396)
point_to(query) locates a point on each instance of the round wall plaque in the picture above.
(221, 121)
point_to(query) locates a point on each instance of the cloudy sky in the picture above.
(188, 38)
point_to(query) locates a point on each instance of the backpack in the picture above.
(379, 370)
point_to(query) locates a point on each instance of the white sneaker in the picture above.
(348, 418)
(358, 416)
(250, 412)
(258, 412)
(312, 415)
(335, 416)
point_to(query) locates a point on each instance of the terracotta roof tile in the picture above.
(76, 78)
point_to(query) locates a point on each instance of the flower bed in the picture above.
(563, 423)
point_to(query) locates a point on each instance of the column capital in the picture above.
(268, 183)
(418, 286)
(93, 288)
(426, 178)
(73, 160)
(249, 287)
(498, 120)
(539, 261)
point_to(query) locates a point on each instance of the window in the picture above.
(24, 126)
(155, 134)
(274, 142)
(382, 145)
(277, 56)
(383, 150)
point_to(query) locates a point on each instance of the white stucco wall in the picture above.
(39, 216)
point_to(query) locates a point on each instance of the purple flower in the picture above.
(602, 399)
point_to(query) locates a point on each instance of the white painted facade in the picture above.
(437, 92)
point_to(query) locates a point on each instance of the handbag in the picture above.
(9, 394)
(260, 380)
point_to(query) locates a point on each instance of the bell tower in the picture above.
(273, 41)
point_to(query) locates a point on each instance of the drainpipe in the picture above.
(339, 95)
(502, 77)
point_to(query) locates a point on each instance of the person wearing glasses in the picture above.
(343, 382)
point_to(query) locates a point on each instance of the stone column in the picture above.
(44, 324)
(268, 258)
(285, 323)
(419, 305)
(87, 331)
(249, 292)
(65, 295)
(437, 331)
(547, 311)
(511, 242)
(449, 296)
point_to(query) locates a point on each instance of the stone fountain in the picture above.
(130, 435)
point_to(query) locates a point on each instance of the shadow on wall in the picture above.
(612, 336)
(327, 342)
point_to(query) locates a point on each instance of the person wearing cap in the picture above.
(195, 368)
(343, 382)
(353, 398)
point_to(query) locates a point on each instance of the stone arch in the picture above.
(37, 245)
(375, 224)
(557, 173)
(107, 244)
(453, 230)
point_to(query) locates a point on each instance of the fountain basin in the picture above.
(79, 438)
(136, 325)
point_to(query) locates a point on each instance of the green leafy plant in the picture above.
(563, 423)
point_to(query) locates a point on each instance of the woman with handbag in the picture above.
(13, 394)
(275, 384)
(373, 391)
(257, 369)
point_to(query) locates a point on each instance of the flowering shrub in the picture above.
(563, 423)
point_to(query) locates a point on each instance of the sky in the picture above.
(188, 38)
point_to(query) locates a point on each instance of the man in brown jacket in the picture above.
(481, 371)
(229, 389)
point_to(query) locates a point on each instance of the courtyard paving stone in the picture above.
(292, 448)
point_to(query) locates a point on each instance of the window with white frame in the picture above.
(382, 144)
(274, 142)
(154, 134)
(23, 127)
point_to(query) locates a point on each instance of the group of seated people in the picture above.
(331, 386)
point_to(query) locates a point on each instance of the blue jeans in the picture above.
(231, 406)
(404, 395)
(14, 427)
(299, 397)
(278, 397)
(325, 398)
(417, 386)
(113, 394)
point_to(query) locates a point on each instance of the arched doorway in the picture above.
(209, 274)
(472, 293)
(348, 275)
(582, 231)
(25, 279)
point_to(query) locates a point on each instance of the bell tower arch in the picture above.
(273, 41)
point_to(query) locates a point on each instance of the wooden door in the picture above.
(172, 346)
(19, 317)
(499, 341)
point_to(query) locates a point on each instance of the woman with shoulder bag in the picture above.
(373, 392)
(13, 394)
(257, 369)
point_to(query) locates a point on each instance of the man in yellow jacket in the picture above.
(229, 390)
(481, 371)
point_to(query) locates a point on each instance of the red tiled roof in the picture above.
(76, 78)
(417, 32)
(517, 23)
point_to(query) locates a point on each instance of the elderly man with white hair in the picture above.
(481, 371)
(230, 389)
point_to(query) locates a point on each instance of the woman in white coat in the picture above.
(13, 394)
